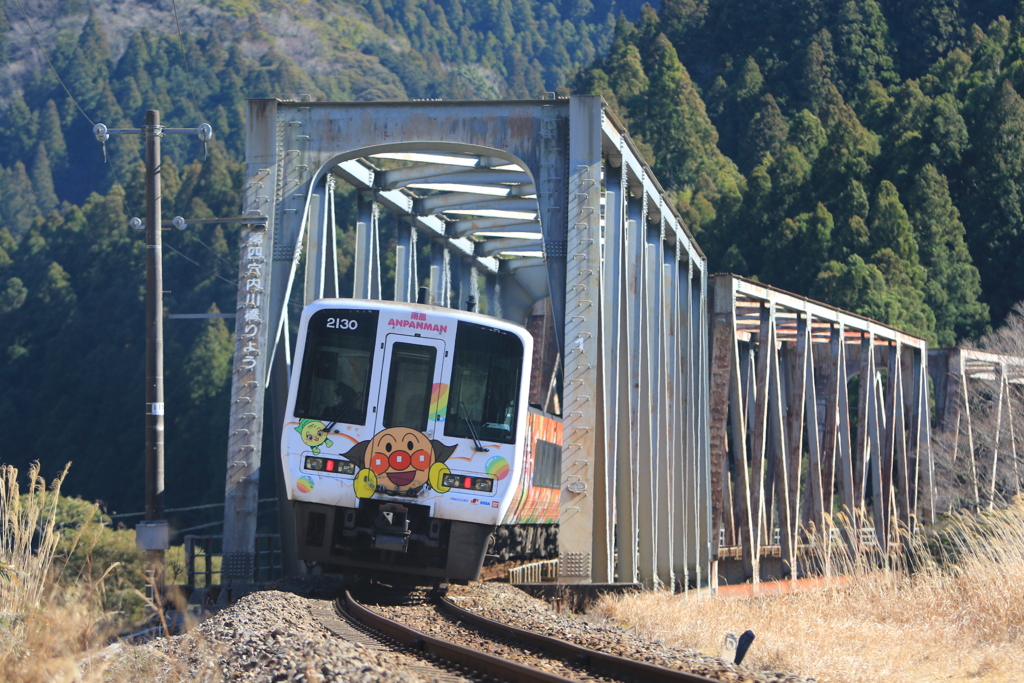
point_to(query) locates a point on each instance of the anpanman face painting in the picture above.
(401, 458)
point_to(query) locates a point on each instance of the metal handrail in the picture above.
(262, 572)
(535, 572)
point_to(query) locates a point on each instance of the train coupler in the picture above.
(391, 528)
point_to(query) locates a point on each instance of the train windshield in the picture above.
(409, 384)
(484, 394)
(335, 382)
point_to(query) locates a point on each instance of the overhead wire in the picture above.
(213, 251)
(217, 523)
(184, 58)
(52, 67)
(185, 509)
(35, 38)
(198, 265)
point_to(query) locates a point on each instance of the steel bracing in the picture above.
(993, 448)
(791, 446)
(521, 202)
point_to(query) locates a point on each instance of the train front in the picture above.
(403, 437)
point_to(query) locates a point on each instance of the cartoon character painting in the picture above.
(314, 434)
(399, 460)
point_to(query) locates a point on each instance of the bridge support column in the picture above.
(583, 433)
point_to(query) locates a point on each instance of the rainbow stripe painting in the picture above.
(438, 402)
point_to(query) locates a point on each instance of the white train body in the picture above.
(404, 435)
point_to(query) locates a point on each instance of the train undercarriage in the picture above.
(380, 538)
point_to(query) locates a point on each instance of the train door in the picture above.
(412, 368)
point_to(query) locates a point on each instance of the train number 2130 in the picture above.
(342, 324)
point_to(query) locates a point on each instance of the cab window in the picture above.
(335, 382)
(410, 381)
(486, 374)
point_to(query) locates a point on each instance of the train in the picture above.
(409, 448)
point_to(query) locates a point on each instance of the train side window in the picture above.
(335, 382)
(484, 394)
(410, 381)
(547, 465)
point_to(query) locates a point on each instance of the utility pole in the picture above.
(154, 345)
(153, 535)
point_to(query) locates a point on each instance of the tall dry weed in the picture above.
(52, 625)
(949, 607)
(28, 538)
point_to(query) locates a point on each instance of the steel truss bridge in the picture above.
(987, 442)
(676, 424)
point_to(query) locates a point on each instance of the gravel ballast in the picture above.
(273, 636)
(280, 636)
(509, 605)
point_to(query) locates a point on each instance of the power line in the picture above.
(188, 509)
(39, 45)
(43, 52)
(184, 58)
(210, 524)
(199, 265)
(117, 180)
(211, 250)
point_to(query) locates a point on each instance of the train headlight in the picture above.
(460, 481)
(329, 465)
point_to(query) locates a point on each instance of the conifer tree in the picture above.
(628, 75)
(18, 206)
(927, 30)
(18, 130)
(42, 181)
(862, 45)
(51, 135)
(816, 77)
(208, 364)
(13, 297)
(683, 22)
(807, 134)
(675, 122)
(954, 284)
(851, 234)
(996, 198)
(88, 72)
(767, 132)
(890, 225)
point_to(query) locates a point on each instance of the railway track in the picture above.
(468, 641)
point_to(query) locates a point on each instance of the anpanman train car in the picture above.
(409, 447)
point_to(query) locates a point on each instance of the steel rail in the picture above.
(489, 665)
(596, 663)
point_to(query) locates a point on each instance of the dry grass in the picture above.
(52, 627)
(958, 616)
